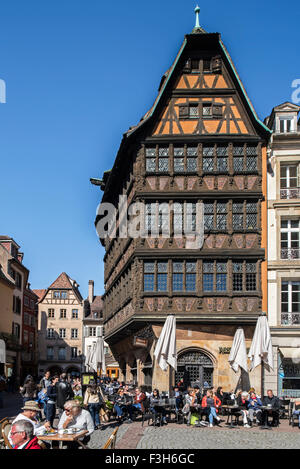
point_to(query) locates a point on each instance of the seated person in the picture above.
(22, 436)
(198, 395)
(254, 407)
(30, 411)
(122, 405)
(243, 403)
(76, 417)
(296, 411)
(138, 399)
(273, 402)
(189, 401)
(155, 407)
(211, 403)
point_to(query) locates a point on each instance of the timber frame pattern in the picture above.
(201, 103)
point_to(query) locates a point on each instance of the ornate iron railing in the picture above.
(292, 193)
(290, 253)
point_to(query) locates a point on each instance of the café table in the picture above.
(266, 408)
(65, 437)
(231, 411)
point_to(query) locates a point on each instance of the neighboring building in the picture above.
(284, 249)
(200, 142)
(60, 323)
(29, 335)
(6, 318)
(93, 328)
(11, 261)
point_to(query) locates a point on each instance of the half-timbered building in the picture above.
(200, 142)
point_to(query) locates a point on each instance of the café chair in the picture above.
(5, 426)
(111, 442)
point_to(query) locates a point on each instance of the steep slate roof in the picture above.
(189, 41)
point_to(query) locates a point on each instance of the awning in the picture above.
(290, 352)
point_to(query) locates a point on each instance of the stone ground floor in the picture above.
(202, 357)
(174, 436)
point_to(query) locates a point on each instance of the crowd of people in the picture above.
(63, 403)
(248, 404)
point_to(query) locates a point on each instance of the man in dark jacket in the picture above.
(273, 403)
(64, 392)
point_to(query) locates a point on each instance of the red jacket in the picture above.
(217, 402)
(31, 444)
(139, 400)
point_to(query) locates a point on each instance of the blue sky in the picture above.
(78, 74)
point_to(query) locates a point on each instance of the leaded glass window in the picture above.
(208, 216)
(208, 276)
(208, 159)
(237, 277)
(177, 280)
(150, 159)
(238, 215)
(190, 218)
(251, 158)
(222, 159)
(221, 279)
(150, 218)
(162, 276)
(193, 110)
(191, 161)
(250, 276)
(178, 159)
(251, 215)
(238, 159)
(163, 159)
(206, 110)
(149, 269)
(178, 218)
(190, 276)
(221, 216)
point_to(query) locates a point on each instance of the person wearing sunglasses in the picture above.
(22, 436)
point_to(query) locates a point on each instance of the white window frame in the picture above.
(289, 230)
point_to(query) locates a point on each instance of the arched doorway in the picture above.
(73, 372)
(194, 366)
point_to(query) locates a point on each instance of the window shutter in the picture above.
(99, 331)
(183, 110)
(217, 110)
(86, 331)
(216, 64)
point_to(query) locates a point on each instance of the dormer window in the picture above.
(286, 124)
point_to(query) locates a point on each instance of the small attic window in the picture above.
(195, 64)
(206, 65)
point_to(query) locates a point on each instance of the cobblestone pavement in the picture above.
(182, 437)
(99, 437)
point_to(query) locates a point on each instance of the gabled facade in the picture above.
(200, 142)
(60, 323)
(284, 250)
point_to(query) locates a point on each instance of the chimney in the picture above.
(91, 291)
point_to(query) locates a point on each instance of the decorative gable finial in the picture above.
(197, 29)
(197, 11)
